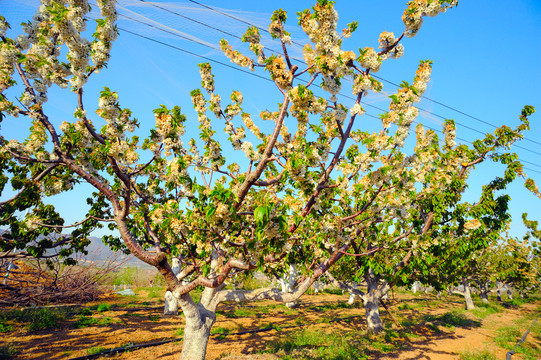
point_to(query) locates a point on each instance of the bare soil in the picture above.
(131, 322)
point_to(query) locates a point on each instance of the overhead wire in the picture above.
(385, 80)
(265, 78)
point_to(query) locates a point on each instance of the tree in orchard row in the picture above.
(412, 223)
(519, 260)
(485, 258)
(167, 198)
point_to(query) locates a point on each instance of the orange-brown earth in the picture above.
(131, 322)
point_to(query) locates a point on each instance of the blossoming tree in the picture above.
(174, 196)
(409, 218)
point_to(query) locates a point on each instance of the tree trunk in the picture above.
(171, 304)
(484, 297)
(194, 343)
(467, 295)
(199, 320)
(371, 303)
(509, 294)
(351, 299)
(483, 292)
(288, 282)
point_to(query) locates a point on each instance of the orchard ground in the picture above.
(322, 326)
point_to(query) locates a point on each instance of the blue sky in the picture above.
(486, 65)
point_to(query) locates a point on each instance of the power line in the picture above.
(195, 54)
(267, 79)
(453, 109)
(387, 81)
(239, 69)
(168, 32)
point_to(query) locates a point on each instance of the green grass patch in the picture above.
(95, 350)
(5, 326)
(452, 319)
(155, 292)
(382, 346)
(482, 310)
(269, 325)
(405, 306)
(507, 337)
(477, 355)
(85, 312)
(246, 312)
(86, 321)
(221, 332)
(333, 291)
(103, 307)
(331, 306)
(38, 319)
(154, 318)
(290, 311)
(306, 344)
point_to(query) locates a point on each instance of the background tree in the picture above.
(412, 224)
(519, 261)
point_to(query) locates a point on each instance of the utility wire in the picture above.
(453, 109)
(194, 54)
(387, 81)
(168, 32)
(267, 79)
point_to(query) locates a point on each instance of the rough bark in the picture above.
(483, 292)
(509, 294)
(467, 295)
(199, 320)
(171, 304)
(352, 294)
(372, 301)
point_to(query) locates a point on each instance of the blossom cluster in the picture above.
(327, 56)
(362, 83)
(413, 15)
(236, 57)
(370, 59)
(253, 37)
(449, 129)
(169, 133)
(387, 43)
(105, 34)
(207, 79)
(279, 72)
(304, 100)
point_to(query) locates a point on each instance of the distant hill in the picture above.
(99, 252)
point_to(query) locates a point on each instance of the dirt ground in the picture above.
(135, 323)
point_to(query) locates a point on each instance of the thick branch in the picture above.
(275, 294)
(326, 175)
(251, 178)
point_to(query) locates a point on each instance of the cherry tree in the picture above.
(518, 259)
(174, 195)
(412, 223)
